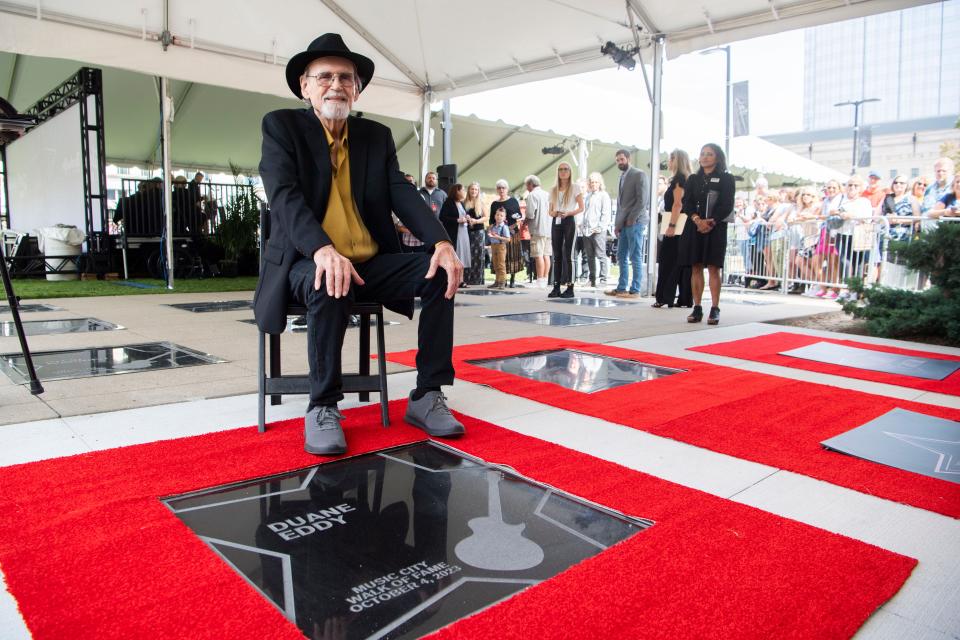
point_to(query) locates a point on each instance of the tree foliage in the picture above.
(897, 313)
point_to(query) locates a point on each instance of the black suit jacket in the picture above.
(296, 172)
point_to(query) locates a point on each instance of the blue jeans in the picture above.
(630, 248)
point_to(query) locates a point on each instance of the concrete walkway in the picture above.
(75, 416)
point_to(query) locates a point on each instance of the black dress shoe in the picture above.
(568, 293)
(714, 317)
(697, 314)
(555, 292)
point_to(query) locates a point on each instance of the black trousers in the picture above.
(672, 277)
(562, 238)
(389, 276)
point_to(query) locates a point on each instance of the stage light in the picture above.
(623, 57)
(555, 150)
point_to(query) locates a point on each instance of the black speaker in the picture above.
(446, 176)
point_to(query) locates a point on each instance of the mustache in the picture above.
(335, 94)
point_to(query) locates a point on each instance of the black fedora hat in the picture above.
(329, 44)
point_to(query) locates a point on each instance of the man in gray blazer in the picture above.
(633, 218)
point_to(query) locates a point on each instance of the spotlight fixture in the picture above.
(555, 150)
(623, 57)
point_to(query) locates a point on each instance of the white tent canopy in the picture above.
(424, 49)
(767, 158)
(447, 47)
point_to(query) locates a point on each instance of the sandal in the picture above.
(697, 314)
(657, 305)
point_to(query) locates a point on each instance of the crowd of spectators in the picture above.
(823, 234)
(812, 236)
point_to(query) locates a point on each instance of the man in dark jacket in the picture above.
(332, 181)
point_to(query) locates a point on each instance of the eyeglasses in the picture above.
(920, 184)
(899, 182)
(326, 79)
(564, 169)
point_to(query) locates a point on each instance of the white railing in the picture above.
(824, 253)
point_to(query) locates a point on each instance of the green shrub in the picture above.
(895, 313)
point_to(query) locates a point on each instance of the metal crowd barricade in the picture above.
(824, 253)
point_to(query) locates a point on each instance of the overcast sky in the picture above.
(612, 105)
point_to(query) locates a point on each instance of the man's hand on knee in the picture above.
(446, 258)
(337, 269)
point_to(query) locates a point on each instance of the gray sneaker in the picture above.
(431, 414)
(323, 435)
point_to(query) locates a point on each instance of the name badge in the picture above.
(714, 179)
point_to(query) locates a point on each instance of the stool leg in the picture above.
(261, 384)
(274, 364)
(382, 371)
(364, 352)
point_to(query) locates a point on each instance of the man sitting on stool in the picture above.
(332, 181)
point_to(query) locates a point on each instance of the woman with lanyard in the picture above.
(511, 209)
(707, 201)
(566, 202)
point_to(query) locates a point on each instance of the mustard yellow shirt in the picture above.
(342, 222)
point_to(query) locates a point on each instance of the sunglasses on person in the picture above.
(899, 182)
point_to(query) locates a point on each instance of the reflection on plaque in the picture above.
(871, 360)
(906, 440)
(594, 302)
(552, 318)
(103, 361)
(30, 308)
(207, 307)
(399, 543)
(577, 370)
(485, 292)
(298, 324)
(50, 327)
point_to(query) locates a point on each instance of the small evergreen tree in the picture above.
(895, 313)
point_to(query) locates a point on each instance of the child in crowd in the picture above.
(499, 235)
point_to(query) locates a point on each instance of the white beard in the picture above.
(334, 110)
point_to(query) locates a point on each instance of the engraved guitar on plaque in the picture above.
(496, 545)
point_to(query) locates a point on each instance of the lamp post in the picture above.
(856, 125)
(727, 109)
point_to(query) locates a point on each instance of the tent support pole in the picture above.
(653, 232)
(165, 117)
(425, 134)
(447, 133)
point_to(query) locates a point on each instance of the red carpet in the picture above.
(767, 349)
(90, 552)
(753, 416)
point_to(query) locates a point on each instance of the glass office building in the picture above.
(908, 59)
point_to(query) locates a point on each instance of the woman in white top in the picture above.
(566, 202)
(596, 219)
(855, 211)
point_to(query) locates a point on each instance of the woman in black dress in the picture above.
(707, 201)
(476, 211)
(511, 209)
(671, 274)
